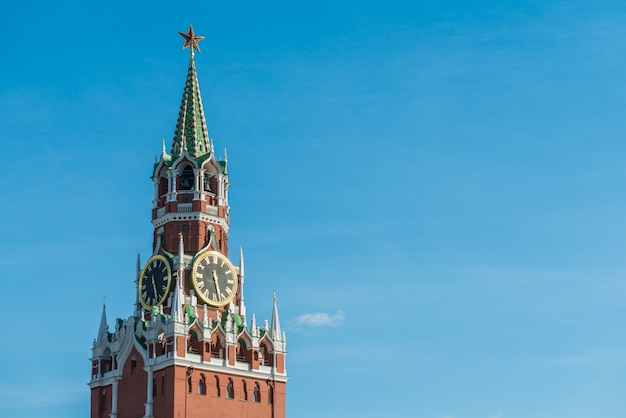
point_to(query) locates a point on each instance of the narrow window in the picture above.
(230, 390)
(270, 395)
(257, 392)
(189, 386)
(163, 384)
(154, 387)
(202, 385)
(217, 386)
(244, 388)
(133, 364)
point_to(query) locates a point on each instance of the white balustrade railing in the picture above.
(184, 207)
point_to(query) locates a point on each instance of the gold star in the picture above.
(191, 40)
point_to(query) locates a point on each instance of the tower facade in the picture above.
(189, 349)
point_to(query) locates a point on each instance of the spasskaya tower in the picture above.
(189, 350)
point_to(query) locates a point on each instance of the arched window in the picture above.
(186, 178)
(266, 355)
(217, 350)
(162, 186)
(106, 362)
(257, 392)
(270, 395)
(217, 386)
(193, 345)
(244, 388)
(242, 351)
(202, 385)
(207, 182)
(230, 390)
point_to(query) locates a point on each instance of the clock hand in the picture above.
(217, 285)
(154, 287)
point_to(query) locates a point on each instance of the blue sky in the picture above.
(436, 192)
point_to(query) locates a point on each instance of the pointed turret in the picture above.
(275, 325)
(191, 129)
(104, 327)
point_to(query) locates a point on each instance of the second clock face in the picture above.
(214, 278)
(155, 281)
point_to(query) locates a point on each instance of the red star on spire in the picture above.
(191, 40)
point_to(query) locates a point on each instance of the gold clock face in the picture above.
(155, 282)
(214, 278)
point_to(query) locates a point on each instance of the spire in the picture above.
(104, 327)
(275, 326)
(191, 126)
(241, 262)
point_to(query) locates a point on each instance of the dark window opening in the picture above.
(186, 179)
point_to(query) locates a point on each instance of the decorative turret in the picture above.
(104, 327)
(275, 325)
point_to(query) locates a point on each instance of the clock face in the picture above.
(155, 282)
(214, 278)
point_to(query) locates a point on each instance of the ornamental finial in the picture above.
(191, 40)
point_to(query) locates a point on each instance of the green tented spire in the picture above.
(191, 126)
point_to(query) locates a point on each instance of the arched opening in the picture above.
(266, 354)
(244, 389)
(193, 344)
(163, 186)
(202, 385)
(106, 363)
(230, 389)
(257, 392)
(217, 350)
(217, 386)
(207, 186)
(243, 353)
(186, 178)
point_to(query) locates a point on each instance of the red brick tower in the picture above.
(189, 350)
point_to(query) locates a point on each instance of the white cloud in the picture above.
(321, 319)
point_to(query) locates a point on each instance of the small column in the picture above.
(149, 403)
(171, 185)
(220, 189)
(196, 182)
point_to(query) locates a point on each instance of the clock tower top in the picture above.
(191, 183)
